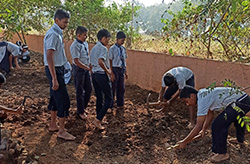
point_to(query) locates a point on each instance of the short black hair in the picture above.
(187, 91)
(103, 33)
(120, 35)
(81, 29)
(169, 79)
(61, 14)
(24, 46)
(2, 78)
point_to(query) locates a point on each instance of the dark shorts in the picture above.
(171, 90)
(59, 99)
(5, 65)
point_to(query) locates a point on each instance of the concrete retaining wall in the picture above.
(145, 69)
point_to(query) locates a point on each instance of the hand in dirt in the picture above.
(181, 145)
(112, 77)
(18, 67)
(12, 68)
(55, 84)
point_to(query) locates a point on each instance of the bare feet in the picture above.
(109, 110)
(219, 157)
(190, 125)
(54, 128)
(83, 116)
(98, 124)
(66, 136)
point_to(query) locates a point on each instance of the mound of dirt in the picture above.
(133, 135)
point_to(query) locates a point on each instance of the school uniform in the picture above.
(183, 76)
(82, 80)
(100, 79)
(117, 54)
(59, 99)
(6, 49)
(25, 57)
(216, 99)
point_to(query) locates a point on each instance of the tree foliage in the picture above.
(223, 22)
(25, 15)
(22, 16)
(93, 15)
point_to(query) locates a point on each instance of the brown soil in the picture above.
(133, 135)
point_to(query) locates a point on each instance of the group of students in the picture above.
(11, 53)
(180, 81)
(105, 70)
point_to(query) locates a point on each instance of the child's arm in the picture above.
(103, 66)
(194, 132)
(80, 64)
(10, 61)
(112, 77)
(16, 62)
(160, 97)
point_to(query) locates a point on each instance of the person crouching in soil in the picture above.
(207, 102)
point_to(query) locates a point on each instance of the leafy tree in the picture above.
(212, 23)
(25, 15)
(93, 15)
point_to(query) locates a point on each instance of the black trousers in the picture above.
(102, 86)
(118, 86)
(83, 87)
(5, 65)
(59, 99)
(222, 122)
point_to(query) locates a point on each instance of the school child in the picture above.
(25, 55)
(117, 56)
(101, 76)
(174, 80)
(8, 52)
(81, 70)
(207, 102)
(54, 60)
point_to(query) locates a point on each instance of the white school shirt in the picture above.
(53, 39)
(80, 51)
(97, 52)
(181, 74)
(215, 99)
(114, 55)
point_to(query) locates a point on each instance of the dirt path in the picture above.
(133, 135)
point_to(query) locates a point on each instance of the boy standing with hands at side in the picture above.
(81, 69)
(54, 60)
(117, 56)
(101, 76)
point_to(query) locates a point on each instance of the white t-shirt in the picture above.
(181, 74)
(215, 99)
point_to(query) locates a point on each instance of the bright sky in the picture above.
(145, 2)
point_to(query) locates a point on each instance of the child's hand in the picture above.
(112, 77)
(181, 144)
(126, 76)
(11, 68)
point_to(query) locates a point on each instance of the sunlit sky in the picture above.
(145, 2)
